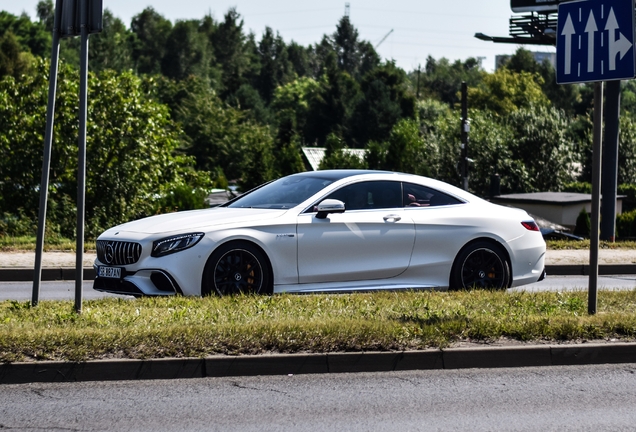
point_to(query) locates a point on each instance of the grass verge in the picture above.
(27, 243)
(385, 321)
(585, 244)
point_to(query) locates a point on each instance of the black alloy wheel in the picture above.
(481, 265)
(237, 268)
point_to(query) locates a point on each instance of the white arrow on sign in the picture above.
(616, 46)
(590, 29)
(568, 31)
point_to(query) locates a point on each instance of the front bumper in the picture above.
(147, 282)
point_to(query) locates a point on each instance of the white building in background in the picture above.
(539, 57)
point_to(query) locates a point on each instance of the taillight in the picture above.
(530, 225)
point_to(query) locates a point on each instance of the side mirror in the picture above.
(329, 206)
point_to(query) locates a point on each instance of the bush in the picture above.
(626, 224)
(578, 187)
(17, 225)
(629, 190)
(183, 197)
(583, 225)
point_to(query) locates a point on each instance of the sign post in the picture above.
(595, 43)
(72, 18)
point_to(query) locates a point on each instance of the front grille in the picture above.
(118, 252)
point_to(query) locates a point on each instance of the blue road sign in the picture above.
(595, 41)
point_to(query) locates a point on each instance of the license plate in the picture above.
(109, 272)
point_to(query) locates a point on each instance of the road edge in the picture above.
(19, 274)
(322, 363)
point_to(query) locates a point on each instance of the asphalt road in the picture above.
(568, 398)
(571, 283)
(56, 290)
(65, 290)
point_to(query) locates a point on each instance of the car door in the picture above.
(442, 225)
(372, 239)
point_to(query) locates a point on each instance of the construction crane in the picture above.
(384, 38)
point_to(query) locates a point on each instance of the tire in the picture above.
(480, 265)
(237, 268)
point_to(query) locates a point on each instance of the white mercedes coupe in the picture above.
(326, 231)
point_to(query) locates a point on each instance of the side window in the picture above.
(421, 196)
(370, 195)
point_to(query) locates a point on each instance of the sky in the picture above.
(415, 29)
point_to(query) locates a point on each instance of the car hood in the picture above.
(195, 220)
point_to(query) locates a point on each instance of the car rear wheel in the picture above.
(237, 268)
(480, 265)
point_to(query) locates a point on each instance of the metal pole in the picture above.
(418, 82)
(46, 159)
(464, 136)
(81, 165)
(597, 158)
(610, 160)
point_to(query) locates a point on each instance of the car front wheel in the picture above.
(480, 265)
(236, 268)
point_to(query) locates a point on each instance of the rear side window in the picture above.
(421, 196)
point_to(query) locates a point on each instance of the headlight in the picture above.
(169, 245)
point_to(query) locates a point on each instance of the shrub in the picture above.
(626, 224)
(583, 224)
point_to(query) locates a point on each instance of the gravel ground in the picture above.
(553, 257)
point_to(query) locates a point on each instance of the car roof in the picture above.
(338, 174)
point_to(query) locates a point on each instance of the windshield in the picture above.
(283, 193)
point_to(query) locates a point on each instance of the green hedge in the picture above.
(625, 222)
(628, 190)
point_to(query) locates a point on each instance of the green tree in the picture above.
(187, 52)
(299, 57)
(333, 107)
(151, 30)
(13, 61)
(627, 149)
(385, 101)
(248, 99)
(442, 79)
(275, 67)
(430, 111)
(506, 91)
(131, 149)
(31, 36)
(337, 156)
(541, 143)
(407, 150)
(46, 14)
(296, 100)
(492, 153)
(232, 52)
(565, 97)
(112, 48)
(221, 138)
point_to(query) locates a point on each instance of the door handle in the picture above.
(392, 218)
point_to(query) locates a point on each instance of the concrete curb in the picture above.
(584, 269)
(20, 274)
(67, 273)
(285, 364)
